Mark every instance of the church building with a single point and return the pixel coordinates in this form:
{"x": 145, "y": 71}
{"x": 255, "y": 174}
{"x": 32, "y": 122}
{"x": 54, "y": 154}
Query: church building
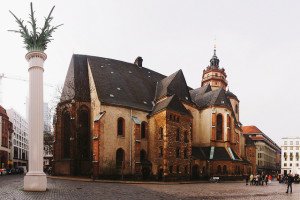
{"x": 118, "y": 118}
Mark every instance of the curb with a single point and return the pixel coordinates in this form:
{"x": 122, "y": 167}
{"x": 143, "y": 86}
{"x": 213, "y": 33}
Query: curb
{"x": 134, "y": 182}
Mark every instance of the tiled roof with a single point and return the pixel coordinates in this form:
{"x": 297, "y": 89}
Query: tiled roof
{"x": 212, "y": 98}
{"x": 250, "y": 129}
{"x": 171, "y": 103}
{"x": 173, "y": 84}
{"x": 200, "y": 91}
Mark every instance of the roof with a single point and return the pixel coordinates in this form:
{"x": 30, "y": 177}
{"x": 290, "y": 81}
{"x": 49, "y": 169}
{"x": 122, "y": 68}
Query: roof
{"x": 173, "y": 84}
{"x": 171, "y": 103}
{"x": 250, "y": 129}
{"x": 231, "y": 95}
{"x": 116, "y": 82}
{"x": 212, "y": 153}
{"x": 200, "y": 91}
{"x": 212, "y": 98}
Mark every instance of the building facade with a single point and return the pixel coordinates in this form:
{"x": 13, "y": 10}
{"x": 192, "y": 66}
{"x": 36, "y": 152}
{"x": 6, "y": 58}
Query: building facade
{"x": 116, "y": 117}
{"x": 5, "y": 139}
{"x": 19, "y": 150}
{"x": 267, "y": 151}
{"x": 290, "y": 162}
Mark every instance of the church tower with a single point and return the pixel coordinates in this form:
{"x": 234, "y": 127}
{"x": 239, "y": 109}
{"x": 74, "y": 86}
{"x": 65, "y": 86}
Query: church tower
{"x": 214, "y": 75}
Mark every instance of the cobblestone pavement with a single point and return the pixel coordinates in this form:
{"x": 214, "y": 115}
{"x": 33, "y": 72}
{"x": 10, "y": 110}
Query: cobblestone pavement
{"x": 11, "y": 188}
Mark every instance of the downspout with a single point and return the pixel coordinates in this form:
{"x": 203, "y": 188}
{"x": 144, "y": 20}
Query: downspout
{"x": 130, "y": 147}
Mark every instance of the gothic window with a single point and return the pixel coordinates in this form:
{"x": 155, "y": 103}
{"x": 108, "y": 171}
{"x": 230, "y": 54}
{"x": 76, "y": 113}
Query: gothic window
{"x": 186, "y": 140}
{"x": 66, "y": 134}
{"x": 219, "y": 169}
{"x": 143, "y": 155}
{"x": 236, "y": 108}
{"x": 83, "y": 134}
{"x": 224, "y": 169}
{"x": 219, "y": 127}
{"x": 185, "y": 153}
{"x": 229, "y": 128}
{"x": 186, "y": 169}
{"x": 143, "y": 130}
{"x": 178, "y": 134}
{"x": 161, "y": 133}
{"x": 121, "y": 127}
{"x": 161, "y": 152}
{"x": 177, "y": 152}
{"x": 120, "y": 158}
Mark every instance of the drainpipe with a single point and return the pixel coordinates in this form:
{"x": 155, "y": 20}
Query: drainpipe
{"x": 130, "y": 147}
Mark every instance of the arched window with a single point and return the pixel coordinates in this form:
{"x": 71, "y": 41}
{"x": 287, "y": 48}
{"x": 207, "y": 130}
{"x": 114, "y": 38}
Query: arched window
{"x": 224, "y": 169}
{"x": 120, "y": 158}
{"x": 143, "y": 155}
{"x": 83, "y": 134}
{"x": 66, "y": 134}
{"x": 186, "y": 140}
{"x": 237, "y": 109}
{"x": 161, "y": 152}
{"x": 143, "y": 130}
{"x": 178, "y": 134}
{"x": 219, "y": 127}
{"x": 161, "y": 133}
{"x": 228, "y": 128}
{"x": 219, "y": 169}
{"x": 121, "y": 126}
{"x": 185, "y": 153}
{"x": 177, "y": 152}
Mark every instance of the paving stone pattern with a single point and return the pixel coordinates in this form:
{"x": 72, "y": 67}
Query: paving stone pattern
{"x": 11, "y": 188}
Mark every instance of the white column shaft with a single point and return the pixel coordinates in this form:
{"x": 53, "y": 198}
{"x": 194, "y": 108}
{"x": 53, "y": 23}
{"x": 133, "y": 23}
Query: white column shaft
{"x": 36, "y": 119}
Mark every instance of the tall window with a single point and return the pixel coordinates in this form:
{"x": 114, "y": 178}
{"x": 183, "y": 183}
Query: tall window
{"x": 143, "y": 155}
{"x": 219, "y": 127}
{"x": 120, "y": 158}
{"x": 121, "y": 127}
{"x": 185, "y": 153}
{"x": 186, "y": 140}
{"x": 219, "y": 169}
{"x": 161, "y": 133}
{"x": 177, "y": 134}
{"x": 224, "y": 169}
{"x": 177, "y": 152}
{"x": 83, "y": 134}
{"x": 237, "y": 109}
{"x": 66, "y": 134}
{"x": 143, "y": 130}
{"x": 160, "y": 152}
{"x": 228, "y": 128}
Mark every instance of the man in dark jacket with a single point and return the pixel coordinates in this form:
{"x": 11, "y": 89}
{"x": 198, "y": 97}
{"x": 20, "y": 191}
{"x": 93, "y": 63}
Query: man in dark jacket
{"x": 290, "y": 180}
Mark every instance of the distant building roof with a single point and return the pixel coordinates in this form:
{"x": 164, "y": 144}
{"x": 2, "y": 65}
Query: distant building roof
{"x": 250, "y": 129}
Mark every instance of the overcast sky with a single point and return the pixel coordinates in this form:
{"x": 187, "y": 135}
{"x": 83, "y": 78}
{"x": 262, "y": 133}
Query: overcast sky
{"x": 258, "y": 44}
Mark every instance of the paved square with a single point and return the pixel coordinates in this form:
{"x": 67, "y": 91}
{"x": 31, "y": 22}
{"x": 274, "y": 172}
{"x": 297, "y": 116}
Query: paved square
{"x": 11, "y": 188}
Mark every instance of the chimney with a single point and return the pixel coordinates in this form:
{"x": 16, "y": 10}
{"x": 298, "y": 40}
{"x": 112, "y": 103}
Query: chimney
{"x": 139, "y": 61}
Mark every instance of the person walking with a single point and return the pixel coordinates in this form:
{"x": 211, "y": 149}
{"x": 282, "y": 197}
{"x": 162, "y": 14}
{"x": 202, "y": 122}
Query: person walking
{"x": 266, "y": 179}
{"x": 247, "y": 178}
{"x": 251, "y": 179}
{"x": 290, "y": 180}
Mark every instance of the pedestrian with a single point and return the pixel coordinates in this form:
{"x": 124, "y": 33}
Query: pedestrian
{"x": 247, "y": 179}
{"x": 266, "y": 179}
{"x": 290, "y": 180}
{"x": 251, "y": 179}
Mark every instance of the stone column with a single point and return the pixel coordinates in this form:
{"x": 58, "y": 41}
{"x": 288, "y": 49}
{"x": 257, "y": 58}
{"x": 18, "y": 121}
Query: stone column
{"x": 35, "y": 179}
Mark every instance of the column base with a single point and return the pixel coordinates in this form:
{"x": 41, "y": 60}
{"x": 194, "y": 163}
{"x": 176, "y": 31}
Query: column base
{"x": 35, "y": 182}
